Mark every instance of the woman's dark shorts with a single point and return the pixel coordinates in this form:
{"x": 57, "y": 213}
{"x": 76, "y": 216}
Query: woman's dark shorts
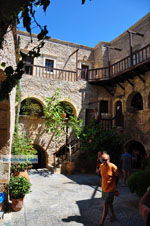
{"x": 108, "y": 197}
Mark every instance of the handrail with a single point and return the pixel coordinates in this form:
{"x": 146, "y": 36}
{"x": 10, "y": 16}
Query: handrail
{"x": 95, "y": 74}
{"x": 48, "y": 72}
{"x": 120, "y": 66}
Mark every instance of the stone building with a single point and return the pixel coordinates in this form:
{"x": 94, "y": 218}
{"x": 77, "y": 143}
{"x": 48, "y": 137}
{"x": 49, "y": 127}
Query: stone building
{"x": 110, "y": 82}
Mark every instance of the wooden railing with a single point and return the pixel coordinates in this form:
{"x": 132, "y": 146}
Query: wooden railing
{"x": 61, "y": 156}
{"x": 50, "y": 73}
{"x": 121, "y": 66}
{"x": 129, "y": 62}
{"x": 106, "y": 124}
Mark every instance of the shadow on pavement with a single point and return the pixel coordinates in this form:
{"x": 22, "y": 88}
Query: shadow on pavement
{"x": 88, "y": 209}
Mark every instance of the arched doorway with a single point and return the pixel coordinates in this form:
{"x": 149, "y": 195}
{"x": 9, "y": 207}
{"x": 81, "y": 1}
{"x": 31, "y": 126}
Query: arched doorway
{"x": 119, "y": 118}
{"x": 137, "y": 150}
{"x": 41, "y": 157}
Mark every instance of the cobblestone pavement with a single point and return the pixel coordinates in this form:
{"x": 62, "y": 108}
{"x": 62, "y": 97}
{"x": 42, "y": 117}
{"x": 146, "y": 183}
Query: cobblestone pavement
{"x": 59, "y": 200}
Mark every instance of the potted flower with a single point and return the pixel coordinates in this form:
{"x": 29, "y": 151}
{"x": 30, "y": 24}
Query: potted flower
{"x": 18, "y": 187}
{"x": 20, "y": 169}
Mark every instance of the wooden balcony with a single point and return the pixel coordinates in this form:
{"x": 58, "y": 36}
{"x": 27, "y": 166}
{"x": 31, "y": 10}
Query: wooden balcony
{"x": 138, "y": 62}
{"x": 50, "y": 73}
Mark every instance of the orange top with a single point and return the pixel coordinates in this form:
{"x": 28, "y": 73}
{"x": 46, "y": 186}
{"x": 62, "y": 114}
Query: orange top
{"x": 109, "y": 172}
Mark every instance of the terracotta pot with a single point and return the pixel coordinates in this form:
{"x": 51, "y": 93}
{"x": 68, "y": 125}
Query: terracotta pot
{"x": 70, "y": 167}
{"x": 64, "y": 115}
{"x": 17, "y": 204}
{"x": 23, "y": 174}
{"x": 1, "y": 206}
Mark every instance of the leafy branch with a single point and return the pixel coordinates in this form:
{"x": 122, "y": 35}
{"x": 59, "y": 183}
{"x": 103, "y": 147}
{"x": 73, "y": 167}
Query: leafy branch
{"x": 54, "y": 119}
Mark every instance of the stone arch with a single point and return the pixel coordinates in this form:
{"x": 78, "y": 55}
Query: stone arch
{"x": 136, "y": 148}
{"x": 119, "y": 118}
{"x": 71, "y": 105}
{"x": 134, "y": 102}
{"x": 36, "y": 109}
{"x": 42, "y": 157}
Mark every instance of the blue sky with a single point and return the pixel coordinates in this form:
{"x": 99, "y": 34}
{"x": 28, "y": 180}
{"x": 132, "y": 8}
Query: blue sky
{"x": 95, "y": 21}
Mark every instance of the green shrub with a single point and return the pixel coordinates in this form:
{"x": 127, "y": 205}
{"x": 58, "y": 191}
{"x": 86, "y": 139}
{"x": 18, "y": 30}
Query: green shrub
{"x": 94, "y": 139}
{"x": 146, "y": 163}
{"x": 22, "y": 145}
{"x": 139, "y": 181}
{"x": 18, "y": 187}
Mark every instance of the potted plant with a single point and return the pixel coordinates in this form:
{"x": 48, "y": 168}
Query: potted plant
{"x": 20, "y": 169}
{"x": 18, "y": 187}
{"x": 22, "y": 146}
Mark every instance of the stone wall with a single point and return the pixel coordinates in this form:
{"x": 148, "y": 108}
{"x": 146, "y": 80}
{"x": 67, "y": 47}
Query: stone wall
{"x": 7, "y": 109}
{"x": 137, "y": 124}
{"x": 57, "y": 50}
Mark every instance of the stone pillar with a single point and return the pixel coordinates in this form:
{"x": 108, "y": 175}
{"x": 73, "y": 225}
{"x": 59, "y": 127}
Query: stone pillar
{"x": 4, "y": 143}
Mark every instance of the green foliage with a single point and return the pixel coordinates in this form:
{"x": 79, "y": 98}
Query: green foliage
{"x": 97, "y": 139}
{"x": 53, "y": 114}
{"x": 19, "y": 167}
{"x": 139, "y": 181}
{"x": 146, "y": 163}
{"x": 54, "y": 120}
{"x": 31, "y": 107}
{"x": 67, "y": 108}
{"x": 18, "y": 187}
{"x": 94, "y": 139}
{"x": 76, "y": 125}
{"x": 22, "y": 145}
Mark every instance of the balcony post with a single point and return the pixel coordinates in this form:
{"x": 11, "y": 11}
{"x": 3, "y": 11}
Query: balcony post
{"x": 130, "y": 46}
{"x": 77, "y": 64}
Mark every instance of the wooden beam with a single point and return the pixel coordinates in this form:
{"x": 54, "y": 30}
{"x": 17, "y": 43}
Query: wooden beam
{"x": 108, "y": 91}
{"x": 141, "y": 78}
{"x": 122, "y": 87}
{"x": 130, "y": 82}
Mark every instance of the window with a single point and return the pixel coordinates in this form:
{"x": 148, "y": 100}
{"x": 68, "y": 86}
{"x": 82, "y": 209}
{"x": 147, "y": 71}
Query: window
{"x": 103, "y": 106}
{"x": 84, "y": 71}
{"x": 49, "y": 64}
{"x": 28, "y": 65}
{"x": 137, "y": 102}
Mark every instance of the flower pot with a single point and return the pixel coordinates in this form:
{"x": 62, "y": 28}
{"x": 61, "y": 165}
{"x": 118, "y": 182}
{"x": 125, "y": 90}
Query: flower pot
{"x": 23, "y": 174}
{"x": 70, "y": 167}
{"x": 17, "y": 204}
{"x": 64, "y": 115}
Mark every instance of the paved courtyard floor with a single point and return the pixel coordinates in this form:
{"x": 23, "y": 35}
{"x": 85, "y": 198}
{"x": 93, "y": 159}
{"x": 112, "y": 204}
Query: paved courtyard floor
{"x": 59, "y": 200}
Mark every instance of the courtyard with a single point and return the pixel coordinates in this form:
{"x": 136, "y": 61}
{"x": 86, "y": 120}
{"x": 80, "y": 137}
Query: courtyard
{"x": 58, "y": 200}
